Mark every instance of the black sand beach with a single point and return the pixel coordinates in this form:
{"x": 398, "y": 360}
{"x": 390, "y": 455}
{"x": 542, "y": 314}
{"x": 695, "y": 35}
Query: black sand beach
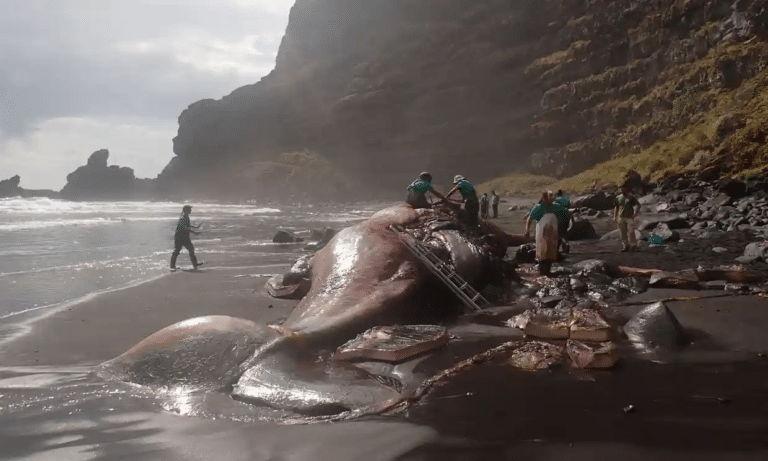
{"x": 707, "y": 401}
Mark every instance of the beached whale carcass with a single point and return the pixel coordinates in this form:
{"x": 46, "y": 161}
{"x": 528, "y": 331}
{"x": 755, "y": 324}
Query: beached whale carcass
{"x": 365, "y": 277}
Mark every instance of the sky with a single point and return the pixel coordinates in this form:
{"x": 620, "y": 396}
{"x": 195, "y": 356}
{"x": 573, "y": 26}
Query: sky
{"x": 77, "y": 76}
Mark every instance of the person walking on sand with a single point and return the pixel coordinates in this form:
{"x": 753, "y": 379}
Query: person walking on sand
{"x": 625, "y": 210}
{"x": 469, "y": 196}
{"x": 182, "y": 238}
{"x": 417, "y": 191}
{"x": 484, "y": 206}
{"x": 495, "y": 204}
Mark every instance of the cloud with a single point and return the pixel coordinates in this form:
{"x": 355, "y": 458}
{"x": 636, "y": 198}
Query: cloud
{"x": 97, "y": 60}
{"x": 56, "y": 147}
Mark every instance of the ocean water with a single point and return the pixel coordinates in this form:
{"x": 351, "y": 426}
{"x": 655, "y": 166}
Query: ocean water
{"x": 55, "y": 252}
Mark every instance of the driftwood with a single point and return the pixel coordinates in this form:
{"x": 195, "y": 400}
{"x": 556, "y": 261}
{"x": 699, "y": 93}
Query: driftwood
{"x": 679, "y": 298}
{"x": 705, "y": 275}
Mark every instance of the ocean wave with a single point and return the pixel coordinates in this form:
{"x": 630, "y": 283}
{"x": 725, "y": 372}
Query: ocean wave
{"x": 40, "y": 224}
{"x": 43, "y": 205}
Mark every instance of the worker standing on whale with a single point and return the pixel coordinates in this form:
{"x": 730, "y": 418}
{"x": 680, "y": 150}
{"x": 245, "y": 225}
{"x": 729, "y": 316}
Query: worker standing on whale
{"x": 417, "y": 191}
{"x": 469, "y": 196}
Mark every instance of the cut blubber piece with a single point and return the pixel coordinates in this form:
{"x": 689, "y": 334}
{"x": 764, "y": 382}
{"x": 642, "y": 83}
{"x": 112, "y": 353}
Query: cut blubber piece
{"x": 393, "y": 343}
{"x": 536, "y": 355}
{"x": 543, "y": 323}
{"x": 583, "y": 355}
{"x": 589, "y": 325}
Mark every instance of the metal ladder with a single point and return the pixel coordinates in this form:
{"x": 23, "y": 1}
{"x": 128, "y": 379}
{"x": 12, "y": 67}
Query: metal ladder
{"x": 444, "y": 271}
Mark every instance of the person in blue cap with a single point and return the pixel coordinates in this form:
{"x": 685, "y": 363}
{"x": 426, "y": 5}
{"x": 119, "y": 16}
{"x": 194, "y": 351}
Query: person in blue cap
{"x": 417, "y": 191}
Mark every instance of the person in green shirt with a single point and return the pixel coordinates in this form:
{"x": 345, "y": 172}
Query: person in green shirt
{"x": 547, "y": 204}
{"x": 546, "y": 254}
{"x": 418, "y": 189}
{"x": 182, "y": 238}
{"x": 625, "y": 209}
{"x": 469, "y": 196}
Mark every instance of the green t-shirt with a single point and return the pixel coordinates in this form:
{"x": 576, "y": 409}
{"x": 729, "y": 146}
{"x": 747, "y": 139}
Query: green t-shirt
{"x": 626, "y": 205}
{"x": 541, "y": 209}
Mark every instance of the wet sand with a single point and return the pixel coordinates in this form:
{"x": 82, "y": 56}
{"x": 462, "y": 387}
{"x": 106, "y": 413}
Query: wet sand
{"x": 708, "y": 401}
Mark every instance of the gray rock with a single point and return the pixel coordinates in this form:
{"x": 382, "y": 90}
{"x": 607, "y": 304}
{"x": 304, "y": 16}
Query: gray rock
{"x": 753, "y": 252}
{"x": 734, "y": 189}
{"x": 655, "y": 326}
{"x": 284, "y": 236}
{"x": 595, "y": 201}
{"x": 582, "y": 230}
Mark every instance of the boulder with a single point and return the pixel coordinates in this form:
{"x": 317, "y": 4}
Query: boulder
{"x": 715, "y": 202}
{"x": 655, "y": 326}
{"x": 672, "y": 223}
{"x": 284, "y": 236}
{"x": 323, "y": 237}
{"x": 595, "y": 201}
{"x": 734, "y": 189}
{"x": 582, "y": 229}
{"x": 755, "y": 251}
{"x": 709, "y": 174}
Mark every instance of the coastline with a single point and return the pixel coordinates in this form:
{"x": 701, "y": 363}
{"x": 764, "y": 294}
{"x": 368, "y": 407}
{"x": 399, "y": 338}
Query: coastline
{"x": 107, "y": 324}
{"x": 489, "y": 412}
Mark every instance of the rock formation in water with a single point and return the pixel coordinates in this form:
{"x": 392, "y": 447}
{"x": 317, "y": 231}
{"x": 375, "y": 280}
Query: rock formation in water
{"x": 382, "y": 89}
{"x": 98, "y": 181}
{"x": 10, "y": 188}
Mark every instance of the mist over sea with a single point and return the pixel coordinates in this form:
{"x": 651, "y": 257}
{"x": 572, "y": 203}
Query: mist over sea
{"x": 54, "y": 252}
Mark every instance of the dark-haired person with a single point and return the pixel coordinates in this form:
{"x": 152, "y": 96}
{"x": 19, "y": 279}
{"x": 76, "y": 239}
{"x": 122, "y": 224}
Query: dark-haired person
{"x": 469, "y": 196}
{"x": 182, "y": 238}
{"x": 417, "y": 191}
{"x": 495, "y": 199}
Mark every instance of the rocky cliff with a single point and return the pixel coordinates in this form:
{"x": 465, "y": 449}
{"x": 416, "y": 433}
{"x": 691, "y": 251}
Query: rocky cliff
{"x": 376, "y": 91}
